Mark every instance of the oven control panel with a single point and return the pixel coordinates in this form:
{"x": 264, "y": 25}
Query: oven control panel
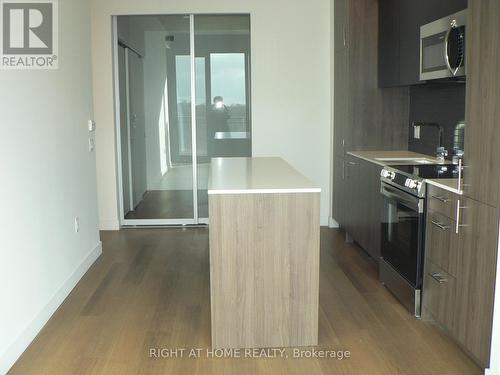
{"x": 410, "y": 183}
{"x": 413, "y": 184}
{"x": 388, "y": 174}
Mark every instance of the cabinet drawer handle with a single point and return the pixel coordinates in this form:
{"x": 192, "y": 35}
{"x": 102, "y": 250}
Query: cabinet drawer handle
{"x": 436, "y": 276}
{"x": 440, "y": 225}
{"x": 457, "y": 223}
{"x": 441, "y": 199}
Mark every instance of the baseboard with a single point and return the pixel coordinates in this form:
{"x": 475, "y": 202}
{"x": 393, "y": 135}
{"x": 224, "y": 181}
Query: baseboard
{"x": 109, "y": 225}
{"x": 332, "y": 223}
{"x": 19, "y": 345}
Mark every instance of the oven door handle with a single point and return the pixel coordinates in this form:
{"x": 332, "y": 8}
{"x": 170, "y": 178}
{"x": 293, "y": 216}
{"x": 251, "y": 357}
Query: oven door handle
{"x": 400, "y": 196}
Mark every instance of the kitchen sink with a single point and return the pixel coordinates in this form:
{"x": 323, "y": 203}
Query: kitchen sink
{"x": 408, "y": 160}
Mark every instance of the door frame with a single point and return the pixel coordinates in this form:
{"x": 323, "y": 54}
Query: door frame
{"x": 127, "y": 126}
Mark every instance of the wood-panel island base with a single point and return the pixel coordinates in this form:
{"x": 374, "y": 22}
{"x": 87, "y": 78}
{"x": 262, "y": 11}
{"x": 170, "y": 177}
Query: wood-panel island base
{"x": 264, "y": 266}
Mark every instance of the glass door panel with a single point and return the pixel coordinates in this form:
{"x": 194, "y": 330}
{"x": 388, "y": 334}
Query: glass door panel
{"x": 163, "y": 64}
{"x": 222, "y": 42}
{"x": 159, "y": 113}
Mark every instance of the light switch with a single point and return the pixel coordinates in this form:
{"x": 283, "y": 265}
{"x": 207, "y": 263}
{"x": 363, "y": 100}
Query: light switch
{"x": 91, "y": 144}
{"x": 91, "y": 125}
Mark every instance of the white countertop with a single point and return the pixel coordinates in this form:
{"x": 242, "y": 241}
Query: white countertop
{"x": 256, "y": 175}
{"x": 372, "y": 157}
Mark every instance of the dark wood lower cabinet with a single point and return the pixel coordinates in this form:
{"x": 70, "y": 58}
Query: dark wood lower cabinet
{"x": 352, "y": 215}
{"x": 478, "y": 247}
{"x": 442, "y": 241}
{"x": 460, "y": 273}
{"x": 370, "y": 208}
{"x": 440, "y": 295}
{"x": 357, "y": 201}
{"x": 338, "y": 202}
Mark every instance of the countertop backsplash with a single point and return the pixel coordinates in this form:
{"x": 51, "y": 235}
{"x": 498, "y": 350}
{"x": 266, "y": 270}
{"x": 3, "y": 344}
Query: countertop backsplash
{"x": 443, "y": 103}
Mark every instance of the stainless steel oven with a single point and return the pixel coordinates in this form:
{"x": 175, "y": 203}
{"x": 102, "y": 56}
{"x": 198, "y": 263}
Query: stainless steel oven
{"x": 402, "y": 233}
{"x": 442, "y": 47}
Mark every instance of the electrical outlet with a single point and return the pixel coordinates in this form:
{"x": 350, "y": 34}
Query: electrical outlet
{"x": 91, "y": 125}
{"x": 91, "y": 144}
{"x": 77, "y": 224}
{"x": 416, "y": 132}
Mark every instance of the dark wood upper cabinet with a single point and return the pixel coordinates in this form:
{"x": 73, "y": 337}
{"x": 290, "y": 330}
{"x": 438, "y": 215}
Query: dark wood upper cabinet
{"x": 482, "y": 133}
{"x": 389, "y": 35}
{"x": 413, "y": 15}
{"x": 399, "y": 39}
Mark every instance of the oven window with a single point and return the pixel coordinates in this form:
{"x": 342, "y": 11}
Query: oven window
{"x": 400, "y": 238}
{"x": 433, "y": 56}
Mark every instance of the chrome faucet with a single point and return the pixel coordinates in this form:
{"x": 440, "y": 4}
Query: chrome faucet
{"x": 441, "y": 152}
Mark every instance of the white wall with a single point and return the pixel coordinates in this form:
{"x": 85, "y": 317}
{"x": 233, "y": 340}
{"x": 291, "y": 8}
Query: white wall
{"x": 47, "y": 178}
{"x": 290, "y": 85}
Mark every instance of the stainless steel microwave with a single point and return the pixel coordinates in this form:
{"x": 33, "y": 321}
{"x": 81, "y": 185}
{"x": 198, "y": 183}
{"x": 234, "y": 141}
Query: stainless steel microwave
{"x": 442, "y": 47}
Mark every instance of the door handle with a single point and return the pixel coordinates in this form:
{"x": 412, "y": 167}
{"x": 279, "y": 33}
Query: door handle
{"x": 460, "y": 174}
{"x": 441, "y": 199}
{"x": 440, "y": 225}
{"x": 457, "y": 222}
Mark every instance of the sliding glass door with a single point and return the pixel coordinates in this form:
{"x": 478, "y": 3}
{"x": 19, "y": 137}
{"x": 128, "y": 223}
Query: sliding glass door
{"x": 182, "y": 97}
{"x": 222, "y": 49}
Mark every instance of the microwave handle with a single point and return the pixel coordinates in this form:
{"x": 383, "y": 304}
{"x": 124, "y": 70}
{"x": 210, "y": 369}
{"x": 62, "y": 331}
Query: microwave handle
{"x": 446, "y": 42}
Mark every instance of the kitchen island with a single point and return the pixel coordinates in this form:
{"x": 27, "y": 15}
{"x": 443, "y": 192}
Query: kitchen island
{"x": 264, "y": 254}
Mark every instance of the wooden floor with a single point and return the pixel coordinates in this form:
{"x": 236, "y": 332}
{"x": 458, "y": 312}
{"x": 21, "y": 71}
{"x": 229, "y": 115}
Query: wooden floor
{"x": 169, "y": 204}
{"x": 150, "y": 288}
